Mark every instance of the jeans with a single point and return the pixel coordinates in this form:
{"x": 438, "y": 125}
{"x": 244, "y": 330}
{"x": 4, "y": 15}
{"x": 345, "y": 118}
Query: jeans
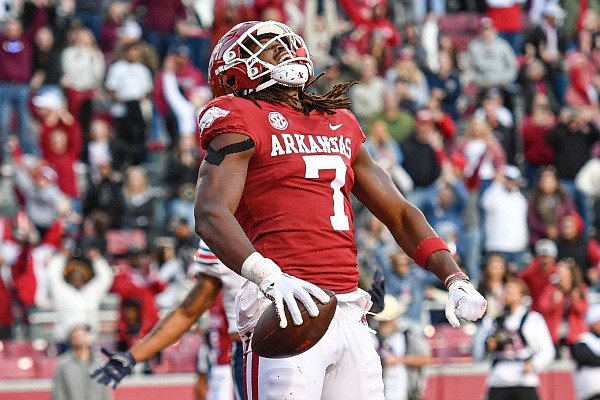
{"x": 91, "y": 20}
{"x": 199, "y": 52}
{"x": 515, "y": 39}
{"x": 421, "y": 8}
{"x": 162, "y": 41}
{"x": 582, "y": 203}
{"x": 14, "y": 96}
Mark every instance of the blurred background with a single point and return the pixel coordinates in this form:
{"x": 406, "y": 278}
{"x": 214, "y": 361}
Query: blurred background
{"x": 484, "y": 112}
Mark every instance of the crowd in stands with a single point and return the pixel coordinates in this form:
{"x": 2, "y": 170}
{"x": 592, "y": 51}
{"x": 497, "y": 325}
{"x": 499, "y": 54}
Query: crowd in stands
{"x": 484, "y": 113}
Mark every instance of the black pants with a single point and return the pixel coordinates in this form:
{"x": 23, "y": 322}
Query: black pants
{"x": 513, "y": 393}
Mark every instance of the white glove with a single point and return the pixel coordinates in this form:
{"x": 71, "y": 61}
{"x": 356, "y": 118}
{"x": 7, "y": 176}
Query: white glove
{"x": 280, "y": 288}
{"x": 464, "y": 302}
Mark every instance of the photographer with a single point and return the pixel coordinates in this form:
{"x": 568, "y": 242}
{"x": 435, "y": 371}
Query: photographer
{"x": 520, "y": 347}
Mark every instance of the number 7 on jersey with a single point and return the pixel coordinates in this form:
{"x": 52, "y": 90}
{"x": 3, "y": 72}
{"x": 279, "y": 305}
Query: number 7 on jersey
{"x": 339, "y": 219}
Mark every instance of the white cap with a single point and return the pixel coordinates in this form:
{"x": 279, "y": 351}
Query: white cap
{"x": 511, "y": 172}
{"x": 50, "y": 100}
{"x": 546, "y": 247}
{"x": 552, "y": 9}
{"x": 130, "y": 29}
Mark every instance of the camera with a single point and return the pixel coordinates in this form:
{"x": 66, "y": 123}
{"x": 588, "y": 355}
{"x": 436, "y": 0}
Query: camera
{"x": 500, "y": 335}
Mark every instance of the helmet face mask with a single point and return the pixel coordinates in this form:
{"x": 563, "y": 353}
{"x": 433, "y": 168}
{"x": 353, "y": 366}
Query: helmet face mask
{"x": 236, "y": 67}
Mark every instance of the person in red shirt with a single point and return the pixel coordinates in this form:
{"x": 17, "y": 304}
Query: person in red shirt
{"x": 563, "y": 305}
{"x": 60, "y": 140}
{"x": 538, "y": 273}
{"x": 137, "y": 284}
{"x": 280, "y": 166}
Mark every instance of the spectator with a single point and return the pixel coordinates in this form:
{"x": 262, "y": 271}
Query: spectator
{"x": 43, "y": 201}
{"x": 423, "y": 154}
{"x": 401, "y": 349}
{"x": 71, "y": 380}
{"x": 508, "y": 19}
{"x": 582, "y": 68}
{"x": 483, "y": 154}
{"x": 139, "y": 201}
{"x": 409, "y": 79}
{"x": 445, "y": 204}
{"x": 181, "y": 178}
{"x": 520, "y": 345}
{"x": 78, "y": 284}
{"x": 387, "y": 153}
{"x": 549, "y": 203}
{"x": 98, "y": 148}
{"x": 534, "y": 130}
{"x": 500, "y": 120}
{"x": 505, "y": 218}
{"x": 188, "y": 79}
{"x": 16, "y": 64}
{"x": 60, "y": 141}
{"x": 367, "y": 98}
{"x": 17, "y": 279}
{"x": 586, "y": 353}
{"x": 495, "y": 275}
{"x": 550, "y": 44}
{"x": 105, "y": 194}
{"x": 131, "y": 32}
{"x": 89, "y": 13}
{"x": 137, "y": 283}
{"x": 128, "y": 82}
{"x": 563, "y": 305}
{"x": 576, "y": 244}
{"x": 83, "y": 66}
{"x": 492, "y": 59}
{"x": 159, "y": 21}
{"x": 400, "y": 123}
{"x": 47, "y": 71}
{"x": 377, "y": 245}
{"x": 538, "y": 273}
{"x": 171, "y": 271}
{"x": 320, "y": 30}
{"x": 112, "y": 20}
{"x": 407, "y": 283}
{"x": 445, "y": 85}
{"x": 535, "y": 83}
{"x": 572, "y": 141}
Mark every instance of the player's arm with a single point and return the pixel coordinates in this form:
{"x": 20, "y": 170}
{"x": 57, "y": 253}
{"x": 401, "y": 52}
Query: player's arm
{"x": 218, "y": 193}
{"x": 374, "y": 188}
{"x": 170, "y": 328}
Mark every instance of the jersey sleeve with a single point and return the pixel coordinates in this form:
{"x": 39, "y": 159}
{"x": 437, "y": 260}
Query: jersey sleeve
{"x": 221, "y": 115}
{"x": 208, "y": 264}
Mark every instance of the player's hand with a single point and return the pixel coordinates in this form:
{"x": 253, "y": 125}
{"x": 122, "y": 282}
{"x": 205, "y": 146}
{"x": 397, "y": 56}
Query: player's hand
{"x": 377, "y": 292}
{"x": 118, "y": 366}
{"x": 464, "y": 302}
{"x": 282, "y": 289}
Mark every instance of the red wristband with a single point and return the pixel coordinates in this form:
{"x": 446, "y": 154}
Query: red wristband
{"x": 454, "y": 275}
{"x": 426, "y": 248}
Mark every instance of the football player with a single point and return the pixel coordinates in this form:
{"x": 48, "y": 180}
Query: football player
{"x": 276, "y": 182}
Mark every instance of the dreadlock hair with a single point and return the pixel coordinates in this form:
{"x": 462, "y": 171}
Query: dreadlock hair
{"x": 327, "y": 103}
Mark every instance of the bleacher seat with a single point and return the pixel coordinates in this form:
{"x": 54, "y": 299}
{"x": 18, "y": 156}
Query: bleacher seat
{"x": 45, "y": 366}
{"x": 451, "y": 345}
{"x": 17, "y": 368}
{"x": 22, "y": 348}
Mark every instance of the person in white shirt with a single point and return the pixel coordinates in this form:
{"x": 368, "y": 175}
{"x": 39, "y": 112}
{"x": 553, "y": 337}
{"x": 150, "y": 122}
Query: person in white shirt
{"x": 505, "y": 217}
{"x": 586, "y": 353}
{"x": 128, "y": 83}
{"x": 77, "y": 289}
{"x": 520, "y": 347}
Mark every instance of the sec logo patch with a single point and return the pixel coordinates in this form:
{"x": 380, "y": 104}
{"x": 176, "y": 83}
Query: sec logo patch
{"x": 278, "y": 121}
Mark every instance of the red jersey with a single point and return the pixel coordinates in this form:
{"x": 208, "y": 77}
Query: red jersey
{"x": 218, "y": 333}
{"x": 295, "y": 207}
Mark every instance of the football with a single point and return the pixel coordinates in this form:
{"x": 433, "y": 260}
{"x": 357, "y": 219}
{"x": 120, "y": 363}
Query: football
{"x": 271, "y": 341}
